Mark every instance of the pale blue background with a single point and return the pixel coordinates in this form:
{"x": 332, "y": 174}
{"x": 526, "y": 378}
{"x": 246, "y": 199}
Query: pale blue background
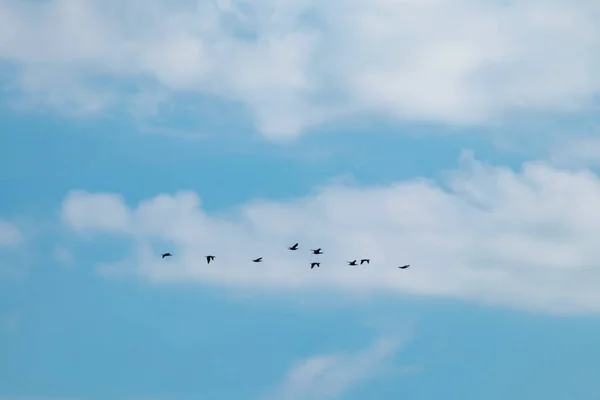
{"x": 83, "y": 336}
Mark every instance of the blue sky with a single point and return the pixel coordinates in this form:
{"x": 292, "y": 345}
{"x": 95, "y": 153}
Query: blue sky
{"x": 132, "y": 130}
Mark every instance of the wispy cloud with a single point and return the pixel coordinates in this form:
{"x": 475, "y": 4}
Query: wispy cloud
{"x": 577, "y": 150}
{"x": 12, "y": 251}
{"x": 296, "y": 64}
{"x": 10, "y": 235}
{"x": 63, "y": 255}
{"x": 328, "y": 376}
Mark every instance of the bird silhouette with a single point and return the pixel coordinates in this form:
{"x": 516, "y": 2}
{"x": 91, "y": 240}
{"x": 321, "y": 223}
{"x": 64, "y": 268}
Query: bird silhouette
{"x": 364, "y": 260}
{"x": 294, "y": 247}
{"x": 166, "y": 255}
{"x": 259, "y": 259}
{"x": 404, "y": 266}
{"x": 351, "y": 262}
{"x": 209, "y": 259}
{"x": 317, "y": 251}
{"x": 315, "y": 264}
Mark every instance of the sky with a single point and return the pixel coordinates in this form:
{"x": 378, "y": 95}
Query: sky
{"x": 461, "y": 137}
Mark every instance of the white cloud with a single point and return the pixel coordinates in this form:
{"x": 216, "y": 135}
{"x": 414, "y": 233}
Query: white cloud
{"x": 101, "y": 212}
{"x": 526, "y": 239}
{"x": 328, "y": 376}
{"x": 298, "y": 63}
{"x": 10, "y": 235}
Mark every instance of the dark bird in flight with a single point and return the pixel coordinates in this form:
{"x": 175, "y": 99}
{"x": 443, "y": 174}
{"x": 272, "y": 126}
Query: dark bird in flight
{"x": 315, "y": 264}
{"x": 209, "y": 259}
{"x": 294, "y": 247}
{"x": 317, "y": 251}
{"x": 351, "y": 262}
{"x": 166, "y": 255}
{"x": 404, "y": 266}
{"x": 364, "y": 260}
{"x": 259, "y": 259}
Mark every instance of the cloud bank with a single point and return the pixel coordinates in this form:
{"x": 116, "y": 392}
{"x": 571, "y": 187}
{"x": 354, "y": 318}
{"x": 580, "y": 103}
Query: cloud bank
{"x": 526, "y": 239}
{"x": 295, "y": 64}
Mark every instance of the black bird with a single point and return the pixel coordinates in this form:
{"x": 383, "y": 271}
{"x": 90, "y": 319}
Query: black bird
{"x": 294, "y": 247}
{"x": 259, "y": 259}
{"x": 209, "y": 259}
{"x": 351, "y": 262}
{"x": 364, "y": 260}
{"x": 315, "y": 264}
{"x": 317, "y": 251}
{"x": 166, "y": 255}
{"x": 404, "y": 266}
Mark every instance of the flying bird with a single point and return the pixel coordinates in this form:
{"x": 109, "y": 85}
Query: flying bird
{"x": 294, "y": 247}
{"x": 317, "y": 251}
{"x": 315, "y": 264}
{"x": 364, "y": 260}
{"x": 209, "y": 259}
{"x": 404, "y": 266}
{"x": 166, "y": 255}
{"x": 351, "y": 262}
{"x": 259, "y": 259}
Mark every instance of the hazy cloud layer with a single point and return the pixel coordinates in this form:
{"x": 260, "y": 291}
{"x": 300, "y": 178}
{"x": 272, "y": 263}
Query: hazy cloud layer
{"x": 298, "y": 63}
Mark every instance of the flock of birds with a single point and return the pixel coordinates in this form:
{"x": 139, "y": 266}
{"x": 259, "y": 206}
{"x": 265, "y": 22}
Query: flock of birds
{"x": 294, "y": 248}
